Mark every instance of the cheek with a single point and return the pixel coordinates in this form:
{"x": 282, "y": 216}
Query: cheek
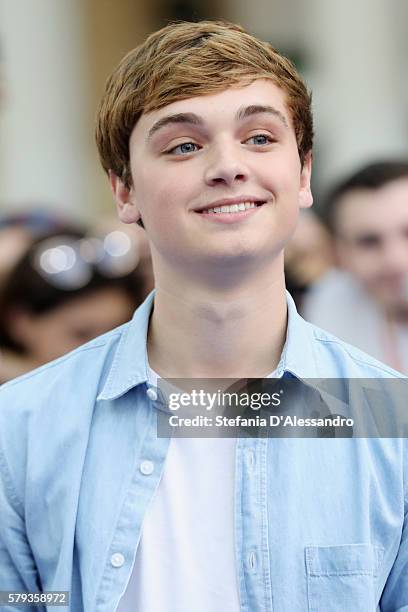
{"x": 278, "y": 173}
{"x": 56, "y": 336}
{"x": 283, "y": 180}
{"x": 160, "y": 196}
{"x": 364, "y": 265}
{"x": 51, "y": 341}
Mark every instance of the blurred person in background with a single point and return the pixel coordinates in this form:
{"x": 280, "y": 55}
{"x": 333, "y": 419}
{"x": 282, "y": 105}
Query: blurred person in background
{"x": 18, "y": 230}
{"x": 13, "y": 242}
{"x": 66, "y": 289}
{"x": 308, "y": 256}
{"x": 365, "y": 301}
{"x": 139, "y": 240}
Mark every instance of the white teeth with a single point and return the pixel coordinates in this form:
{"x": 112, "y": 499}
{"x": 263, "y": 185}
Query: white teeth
{"x": 231, "y": 209}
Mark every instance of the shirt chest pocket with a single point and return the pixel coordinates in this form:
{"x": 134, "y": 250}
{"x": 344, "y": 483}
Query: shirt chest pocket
{"x": 342, "y": 578}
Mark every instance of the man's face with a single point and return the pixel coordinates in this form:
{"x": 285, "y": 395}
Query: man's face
{"x": 234, "y": 147}
{"x": 373, "y": 240}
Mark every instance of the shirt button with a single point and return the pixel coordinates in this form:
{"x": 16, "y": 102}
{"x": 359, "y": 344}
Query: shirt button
{"x": 146, "y": 467}
{"x": 151, "y": 394}
{"x": 117, "y": 560}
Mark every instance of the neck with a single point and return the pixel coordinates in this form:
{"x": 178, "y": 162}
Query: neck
{"x": 217, "y": 331}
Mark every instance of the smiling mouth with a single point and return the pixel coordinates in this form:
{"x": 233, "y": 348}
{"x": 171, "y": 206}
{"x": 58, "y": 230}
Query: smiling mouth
{"x": 232, "y": 208}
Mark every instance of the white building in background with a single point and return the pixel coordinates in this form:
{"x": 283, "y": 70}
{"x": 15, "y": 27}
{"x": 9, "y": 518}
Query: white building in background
{"x": 359, "y": 77}
{"x": 45, "y": 108}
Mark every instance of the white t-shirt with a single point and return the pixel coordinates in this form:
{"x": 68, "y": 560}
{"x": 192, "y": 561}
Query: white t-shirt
{"x": 186, "y": 556}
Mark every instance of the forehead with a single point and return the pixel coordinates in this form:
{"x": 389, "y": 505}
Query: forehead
{"x": 222, "y": 106}
{"x": 379, "y": 211}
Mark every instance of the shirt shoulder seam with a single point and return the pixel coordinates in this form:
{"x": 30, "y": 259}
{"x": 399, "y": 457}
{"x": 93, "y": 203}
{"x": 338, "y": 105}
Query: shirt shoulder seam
{"x": 55, "y": 363}
{"x": 356, "y": 359}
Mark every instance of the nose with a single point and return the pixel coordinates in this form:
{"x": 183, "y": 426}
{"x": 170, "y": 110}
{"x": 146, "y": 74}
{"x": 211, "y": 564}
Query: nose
{"x": 226, "y": 167}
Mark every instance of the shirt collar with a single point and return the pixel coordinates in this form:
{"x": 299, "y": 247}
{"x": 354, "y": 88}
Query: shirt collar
{"x": 298, "y": 356}
{"x": 130, "y": 366}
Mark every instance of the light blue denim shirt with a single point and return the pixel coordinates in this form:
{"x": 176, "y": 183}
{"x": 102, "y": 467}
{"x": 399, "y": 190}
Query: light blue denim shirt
{"x": 320, "y": 524}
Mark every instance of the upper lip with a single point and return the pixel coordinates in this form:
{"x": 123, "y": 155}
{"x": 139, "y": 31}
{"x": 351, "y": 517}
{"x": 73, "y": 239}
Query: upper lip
{"x": 230, "y": 201}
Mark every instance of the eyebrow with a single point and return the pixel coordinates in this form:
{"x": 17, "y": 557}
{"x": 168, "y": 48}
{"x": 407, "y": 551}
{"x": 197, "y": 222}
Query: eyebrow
{"x": 257, "y": 109}
{"x": 193, "y": 119}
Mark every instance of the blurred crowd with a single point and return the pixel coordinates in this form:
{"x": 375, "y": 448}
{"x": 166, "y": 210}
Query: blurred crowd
{"x": 347, "y": 268}
{"x": 362, "y": 296}
{"x": 62, "y": 284}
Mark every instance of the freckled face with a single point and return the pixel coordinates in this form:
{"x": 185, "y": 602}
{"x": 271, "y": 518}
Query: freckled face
{"x": 192, "y": 154}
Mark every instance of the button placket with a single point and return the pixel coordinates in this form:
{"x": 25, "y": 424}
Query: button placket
{"x": 126, "y": 537}
{"x": 251, "y": 461}
{"x": 147, "y": 467}
{"x": 152, "y": 394}
{"x": 254, "y": 552}
{"x": 252, "y": 560}
{"x": 117, "y": 560}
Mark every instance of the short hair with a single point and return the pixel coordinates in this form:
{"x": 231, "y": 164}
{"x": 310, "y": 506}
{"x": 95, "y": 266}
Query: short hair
{"x": 186, "y": 59}
{"x": 372, "y": 176}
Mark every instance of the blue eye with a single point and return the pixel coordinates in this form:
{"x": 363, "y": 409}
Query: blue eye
{"x": 261, "y": 139}
{"x": 183, "y": 148}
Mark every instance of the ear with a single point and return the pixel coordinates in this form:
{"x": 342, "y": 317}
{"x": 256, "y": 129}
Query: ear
{"x": 305, "y": 192}
{"x": 124, "y": 197}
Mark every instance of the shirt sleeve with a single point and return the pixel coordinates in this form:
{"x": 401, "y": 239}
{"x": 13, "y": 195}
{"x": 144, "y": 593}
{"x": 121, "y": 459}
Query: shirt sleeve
{"x": 18, "y": 572}
{"x": 395, "y": 594}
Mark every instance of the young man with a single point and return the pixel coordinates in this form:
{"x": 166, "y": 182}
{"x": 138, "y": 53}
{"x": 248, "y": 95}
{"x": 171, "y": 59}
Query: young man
{"x": 206, "y": 134}
{"x": 367, "y": 214}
